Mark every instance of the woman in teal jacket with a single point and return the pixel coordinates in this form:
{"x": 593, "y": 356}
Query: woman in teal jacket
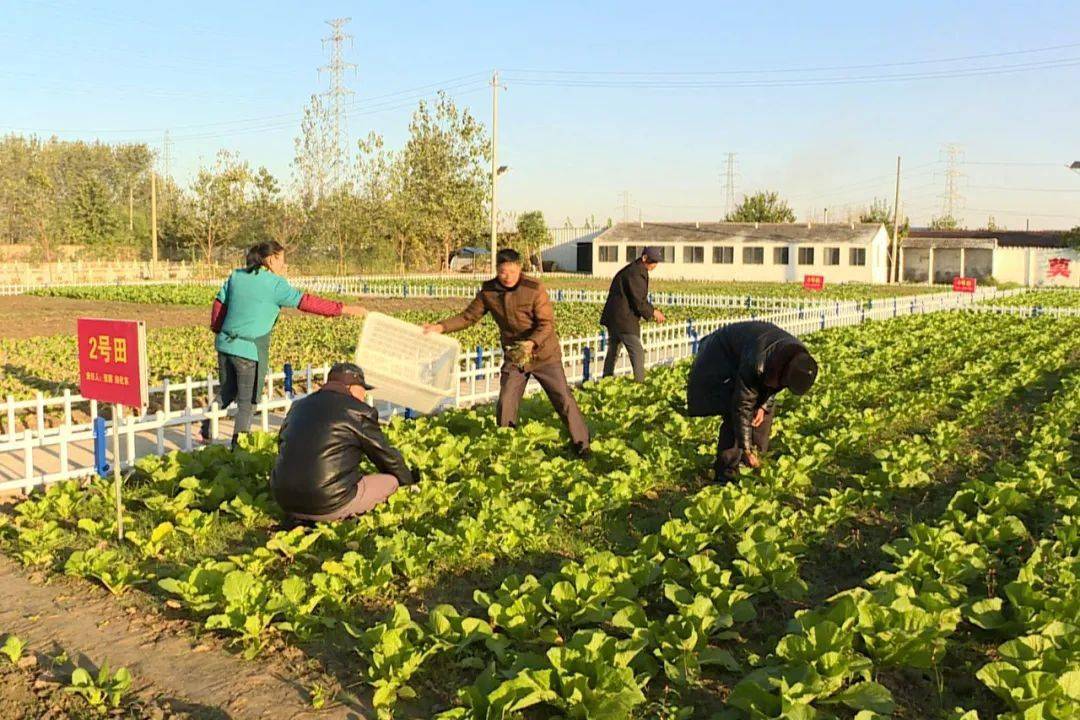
{"x": 245, "y": 311}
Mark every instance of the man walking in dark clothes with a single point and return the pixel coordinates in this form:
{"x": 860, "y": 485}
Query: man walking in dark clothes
{"x": 627, "y": 305}
{"x": 522, "y": 309}
{"x": 737, "y": 373}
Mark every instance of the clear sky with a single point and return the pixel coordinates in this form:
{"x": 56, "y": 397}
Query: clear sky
{"x": 649, "y": 98}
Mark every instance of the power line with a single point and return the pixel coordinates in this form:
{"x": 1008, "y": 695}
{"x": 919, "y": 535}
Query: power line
{"x": 960, "y": 58}
{"x": 661, "y": 83}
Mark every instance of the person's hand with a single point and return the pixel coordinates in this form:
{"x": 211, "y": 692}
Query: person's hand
{"x": 433, "y": 328}
{"x": 759, "y": 417}
{"x": 658, "y": 315}
{"x": 752, "y": 459}
{"x": 354, "y": 310}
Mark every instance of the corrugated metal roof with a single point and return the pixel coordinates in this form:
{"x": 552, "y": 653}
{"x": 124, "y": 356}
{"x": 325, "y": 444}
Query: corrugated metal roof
{"x": 1005, "y": 238}
{"x": 652, "y": 233}
{"x": 949, "y": 243}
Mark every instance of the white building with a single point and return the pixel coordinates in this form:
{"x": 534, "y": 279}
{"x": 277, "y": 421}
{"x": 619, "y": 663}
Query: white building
{"x": 775, "y": 252}
{"x": 1028, "y": 258}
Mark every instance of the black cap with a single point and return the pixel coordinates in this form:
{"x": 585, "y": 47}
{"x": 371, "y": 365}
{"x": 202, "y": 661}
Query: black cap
{"x": 348, "y": 373}
{"x": 800, "y": 373}
{"x": 652, "y": 254}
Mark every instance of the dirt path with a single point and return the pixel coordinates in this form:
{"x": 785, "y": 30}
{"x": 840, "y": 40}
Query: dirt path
{"x": 24, "y": 316}
{"x": 197, "y": 679}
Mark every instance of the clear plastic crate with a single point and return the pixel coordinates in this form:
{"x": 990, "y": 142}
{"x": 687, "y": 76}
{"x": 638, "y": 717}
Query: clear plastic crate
{"x": 406, "y": 366}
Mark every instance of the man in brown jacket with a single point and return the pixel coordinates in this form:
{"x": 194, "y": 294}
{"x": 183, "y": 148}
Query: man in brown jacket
{"x": 522, "y": 309}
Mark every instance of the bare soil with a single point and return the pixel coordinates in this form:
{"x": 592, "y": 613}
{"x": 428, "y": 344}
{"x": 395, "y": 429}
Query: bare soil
{"x": 186, "y": 677}
{"x": 25, "y": 316}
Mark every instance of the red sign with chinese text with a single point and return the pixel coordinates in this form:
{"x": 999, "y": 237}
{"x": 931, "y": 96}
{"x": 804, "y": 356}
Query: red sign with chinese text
{"x": 1059, "y": 267}
{"x": 813, "y": 282}
{"x": 963, "y": 284}
{"x": 112, "y": 361}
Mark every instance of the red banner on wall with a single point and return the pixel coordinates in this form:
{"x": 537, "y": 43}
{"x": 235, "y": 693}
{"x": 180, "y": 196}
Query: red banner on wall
{"x": 112, "y": 361}
{"x": 813, "y": 282}
{"x": 963, "y": 284}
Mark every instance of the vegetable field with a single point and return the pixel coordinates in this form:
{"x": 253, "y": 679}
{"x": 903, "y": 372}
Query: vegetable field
{"x": 1050, "y": 298}
{"x": 909, "y": 549}
{"x": 203, "y": 294}
{"x": 50, "y": 363}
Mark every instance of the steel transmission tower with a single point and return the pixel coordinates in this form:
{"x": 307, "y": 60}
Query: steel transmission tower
{"x": 337, "y": 94}
{"x": 624, "y": 203}
{"x": 729, "y": 183}
{"x": 952, "y": 198}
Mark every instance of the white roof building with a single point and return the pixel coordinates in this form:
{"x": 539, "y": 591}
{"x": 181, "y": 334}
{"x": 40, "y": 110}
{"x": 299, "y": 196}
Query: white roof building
{"x": 775, "y": 252}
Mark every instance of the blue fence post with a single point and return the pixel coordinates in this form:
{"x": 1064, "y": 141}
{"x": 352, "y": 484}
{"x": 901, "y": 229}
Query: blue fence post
{"x": 101, "y": 459}
{"x": 586, "y": 361}
{"x": 288, "y": 381}
{"x": 404, "y": 290}
{"x": 364, "y": 288}
{"x": 689, "y": 326}
{"x": 559, "y": 295}
{"x": 800, "y": 311}
{"x": 749, "y": 301}
{"x": 431, "y": 290}
{"x": 693, "y": 342}
{"x": 823, "y": 313}
{"x": 603, "y": 339}
{"x": 895, "y": 309}
{"x": 479, "y": 356}
{"x": 409, "y": 414}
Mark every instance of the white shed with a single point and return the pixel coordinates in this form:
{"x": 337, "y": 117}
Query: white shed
{"x": 772, "y": 252}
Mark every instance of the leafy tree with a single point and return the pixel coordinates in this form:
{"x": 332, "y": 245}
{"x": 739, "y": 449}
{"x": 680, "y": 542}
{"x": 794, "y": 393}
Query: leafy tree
{"x": 764, "y": 206}
{"x": 445, "y": 182}
{"x": 1072, "y": 238}
{"x": 533, "y": 233}
{"x": 219, "y": 197}
{"x": 881, "y": 212}
{"x": 944, "y": 222}
{"x": 94, "y": 217}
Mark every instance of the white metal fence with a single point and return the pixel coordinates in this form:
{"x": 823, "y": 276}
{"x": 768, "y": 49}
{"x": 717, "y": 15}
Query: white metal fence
{"x": 178, "y": 406}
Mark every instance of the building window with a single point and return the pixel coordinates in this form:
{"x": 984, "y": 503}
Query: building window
{"x": 693, "y": 254}
{"x": 781, "y": 256}
{"x": 753, "y": 256}
{"x": 857, "y": 256}
{"x": 806, "y": 256}
{"x": 667, "y": 252}
{"x": 609, "y": 253}
{"x": 633, "y": 252}
{"x": 724, "y": 255}
{"x": 832, "y": 256}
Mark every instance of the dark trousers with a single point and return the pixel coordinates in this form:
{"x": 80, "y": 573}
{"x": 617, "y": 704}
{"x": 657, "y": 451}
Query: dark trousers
{"x": 634, "y": 349}
{"x": 729, "y": 450}
{"x": 237, "y": 376}
{"x": 552, "y": 379}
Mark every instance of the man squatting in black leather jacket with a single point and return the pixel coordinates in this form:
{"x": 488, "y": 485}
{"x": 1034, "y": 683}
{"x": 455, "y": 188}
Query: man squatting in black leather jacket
{"x": 737, "y": 373}
{"x": 321, "y": 444}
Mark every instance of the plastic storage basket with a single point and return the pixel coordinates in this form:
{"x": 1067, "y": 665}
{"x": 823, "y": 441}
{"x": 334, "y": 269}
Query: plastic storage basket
{"x": 405, "y": 366}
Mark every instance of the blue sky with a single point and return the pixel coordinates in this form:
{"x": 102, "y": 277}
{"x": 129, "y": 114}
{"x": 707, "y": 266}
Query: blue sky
{"x": 237, "y": 74}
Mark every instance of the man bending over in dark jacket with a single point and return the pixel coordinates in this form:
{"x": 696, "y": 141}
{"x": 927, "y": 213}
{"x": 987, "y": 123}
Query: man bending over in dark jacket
{"x": 737, "y": 373}
{"x": 321, "y": 444}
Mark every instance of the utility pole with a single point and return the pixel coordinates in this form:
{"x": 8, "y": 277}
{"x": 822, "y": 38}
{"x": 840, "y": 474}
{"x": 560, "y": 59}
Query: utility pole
{"x": 494, "y": 167}
{"x": 338, "y": 92}
{"x": 894, "y": 271}
{"x": 153, "y": 222}
{"x": 729, "y": 183}
{"x": 131, "y": 207}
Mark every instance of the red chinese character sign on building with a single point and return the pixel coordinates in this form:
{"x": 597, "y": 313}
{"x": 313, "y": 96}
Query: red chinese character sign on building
{"x": 963, "y": 284}
{"x": 112, "y": 361}
{"x": 813, "y": 282}
{"x": 1059, "y": 267}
